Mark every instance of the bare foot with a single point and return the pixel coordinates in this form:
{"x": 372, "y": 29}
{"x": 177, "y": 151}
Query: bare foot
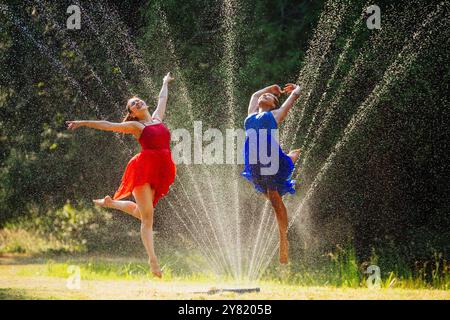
{"x": 284, "y": 250}
{"x": 154, "y": 267}
{"x": 294, "y": 154}
{"x": 105, "y": 202}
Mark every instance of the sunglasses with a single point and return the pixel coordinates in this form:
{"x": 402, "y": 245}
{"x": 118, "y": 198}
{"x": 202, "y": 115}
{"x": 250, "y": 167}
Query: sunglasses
{"x": 133, "y": 103}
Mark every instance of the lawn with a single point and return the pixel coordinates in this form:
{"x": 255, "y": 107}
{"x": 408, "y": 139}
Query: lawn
{"x": 25, "y": 277}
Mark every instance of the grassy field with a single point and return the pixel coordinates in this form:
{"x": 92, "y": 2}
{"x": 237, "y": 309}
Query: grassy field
{"x": 25, "y": 277}
{"x": 34, "y": 266}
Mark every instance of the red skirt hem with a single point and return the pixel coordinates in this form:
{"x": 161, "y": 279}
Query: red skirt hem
{"x": 154, "y": 167}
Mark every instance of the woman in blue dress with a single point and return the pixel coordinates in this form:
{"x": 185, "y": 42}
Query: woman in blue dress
{"x": 266, "y": 166}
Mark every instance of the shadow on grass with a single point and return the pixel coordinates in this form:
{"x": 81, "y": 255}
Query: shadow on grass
{"x": 14, "y": 294}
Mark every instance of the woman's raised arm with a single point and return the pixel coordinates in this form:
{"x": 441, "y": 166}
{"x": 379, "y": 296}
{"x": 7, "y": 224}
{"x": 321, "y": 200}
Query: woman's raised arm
{"x": 281, "y": 113}
{"x": 162, "y": 100}
{"x": 253, "y": 105}
{"x": 131, "y": 127}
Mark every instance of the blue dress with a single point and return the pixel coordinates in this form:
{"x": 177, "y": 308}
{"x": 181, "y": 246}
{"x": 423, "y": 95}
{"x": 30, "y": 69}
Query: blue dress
{"x": 262, "y": 169}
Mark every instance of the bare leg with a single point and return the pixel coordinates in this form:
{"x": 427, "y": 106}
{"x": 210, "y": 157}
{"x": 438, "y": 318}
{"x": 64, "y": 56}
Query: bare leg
{"x": 144, "y": 197}
{"x": 126, "y": 206}
{"x": 282, "y": 220}
{"x": 294, "y": 154}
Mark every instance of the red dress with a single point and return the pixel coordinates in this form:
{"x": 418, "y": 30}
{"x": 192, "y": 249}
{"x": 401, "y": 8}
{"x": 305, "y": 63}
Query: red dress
{"x": 153, "y": 165}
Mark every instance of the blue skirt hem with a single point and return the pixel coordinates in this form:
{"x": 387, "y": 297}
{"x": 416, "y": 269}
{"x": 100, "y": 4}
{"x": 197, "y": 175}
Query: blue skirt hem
{"x": 283, "y": 187}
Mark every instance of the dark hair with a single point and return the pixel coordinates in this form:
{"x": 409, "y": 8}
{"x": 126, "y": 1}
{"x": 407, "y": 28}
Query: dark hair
{"x": 277, "y": 102}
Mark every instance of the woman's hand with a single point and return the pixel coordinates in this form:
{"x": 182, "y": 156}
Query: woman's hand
{"x": 72, "y": 125}
{"x": 291, "y": 87}
{"x": 275, "y": 89}
{"x": 168, "y": 78}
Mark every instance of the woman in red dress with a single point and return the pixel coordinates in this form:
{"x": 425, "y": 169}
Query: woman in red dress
{"x": 149, "y": 173}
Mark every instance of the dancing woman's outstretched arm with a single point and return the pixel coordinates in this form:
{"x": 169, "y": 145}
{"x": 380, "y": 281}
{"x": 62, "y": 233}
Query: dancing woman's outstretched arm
{"x": 281, "y": 113}
{"x": 162, "y": 100}
{"x": 253, "y": 105}
{"x": 131, "y": 127}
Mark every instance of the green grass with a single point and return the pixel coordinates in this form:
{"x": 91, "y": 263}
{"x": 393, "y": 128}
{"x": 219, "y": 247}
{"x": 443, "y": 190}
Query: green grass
{"x": 22, "y": 241}
{"x": 116, "y": 278}
{"x": 104, "y": 270}
{"x": 14, "y": 294}
{"x": 343, "y": 270}
{"x": 343, "y": 275}
{"x": 340, "y": 268}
